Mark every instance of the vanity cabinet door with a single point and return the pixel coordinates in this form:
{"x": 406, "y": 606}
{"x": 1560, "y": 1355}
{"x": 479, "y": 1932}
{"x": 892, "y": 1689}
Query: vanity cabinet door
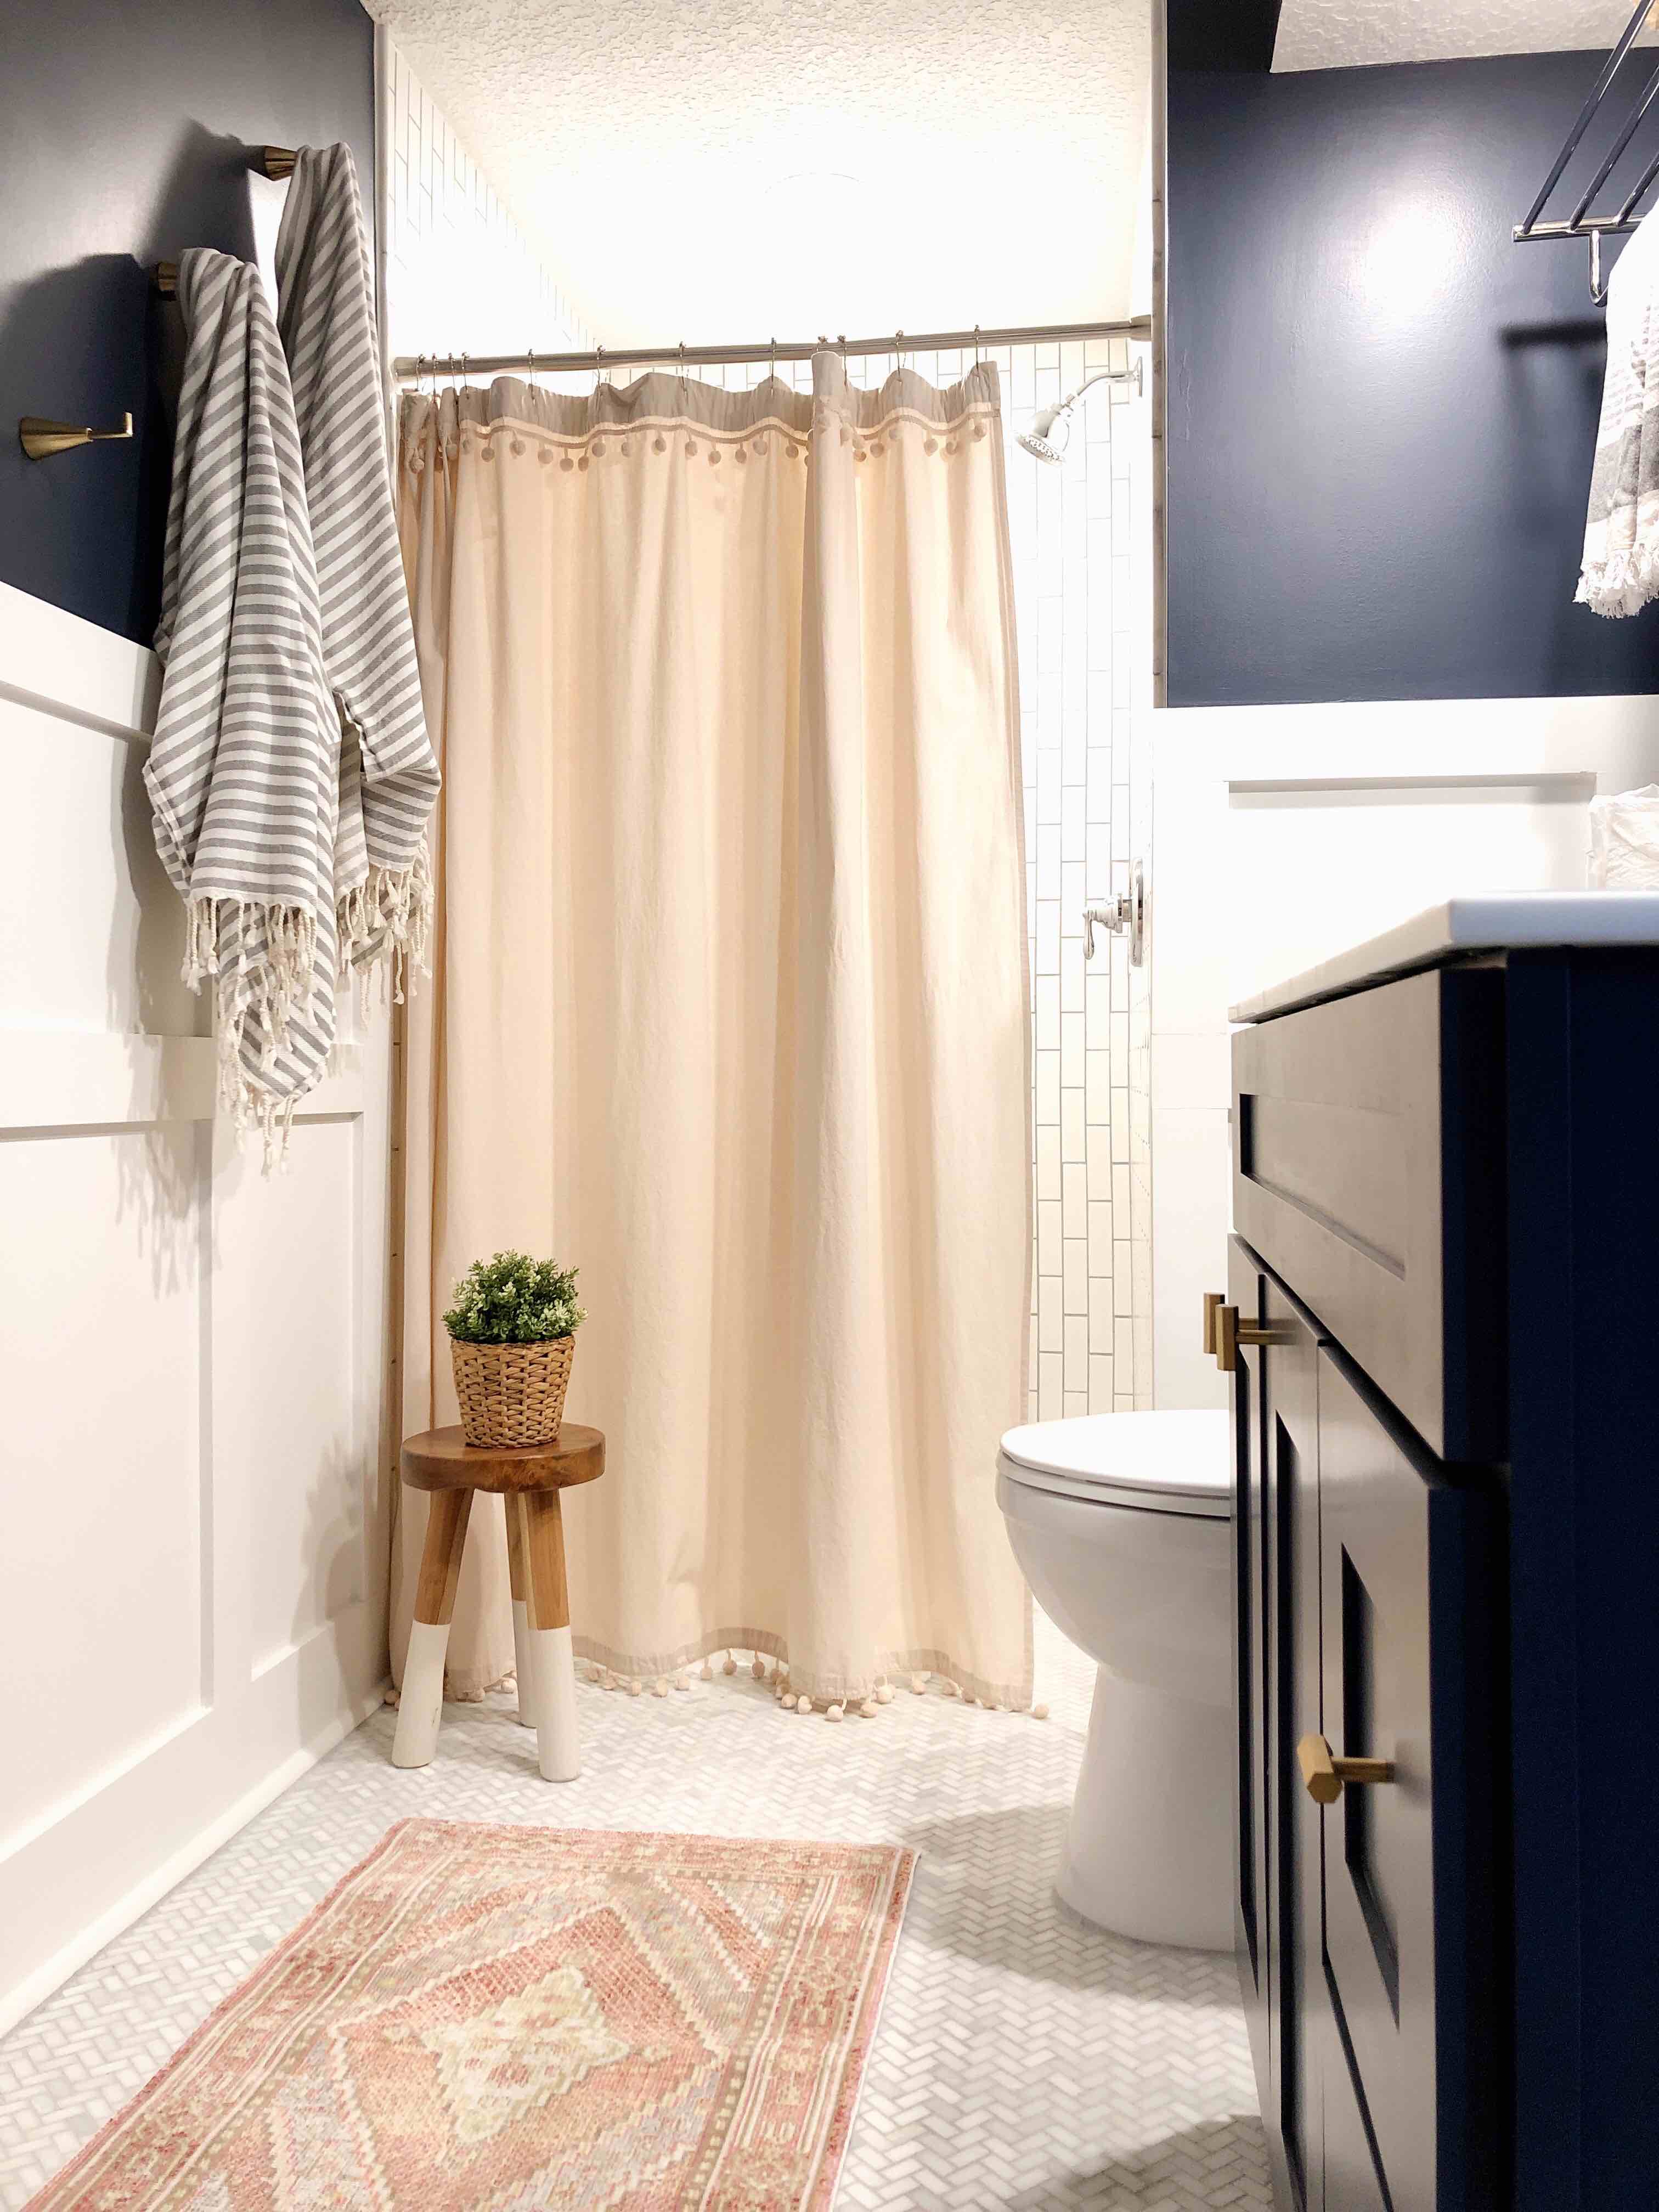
{"x": 1252, "y": 1915}
{"x": 1407, "y": 1941}
{"x": 1290, "y": 1372}
{"x": 1276, "y": 1616}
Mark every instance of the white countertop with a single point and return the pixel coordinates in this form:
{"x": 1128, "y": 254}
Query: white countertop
{"x": 1497, "y": 921}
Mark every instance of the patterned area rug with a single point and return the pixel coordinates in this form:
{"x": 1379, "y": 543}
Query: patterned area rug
{"x": 518, "y": 2018}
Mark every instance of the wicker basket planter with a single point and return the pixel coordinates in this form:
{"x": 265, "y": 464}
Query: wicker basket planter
{"x": 513, "y": 1394}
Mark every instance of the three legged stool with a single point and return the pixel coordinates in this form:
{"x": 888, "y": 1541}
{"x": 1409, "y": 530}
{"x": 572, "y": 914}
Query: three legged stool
{"x": 529, "y": 1478}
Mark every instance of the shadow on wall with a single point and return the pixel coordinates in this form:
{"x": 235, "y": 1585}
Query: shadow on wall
{"x": 84, "y": 343}
{"x": 1553, "y": 372}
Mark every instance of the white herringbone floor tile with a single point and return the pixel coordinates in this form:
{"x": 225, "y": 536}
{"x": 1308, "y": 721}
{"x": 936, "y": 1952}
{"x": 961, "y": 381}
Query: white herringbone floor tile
{"x": 1024, "y": 2063}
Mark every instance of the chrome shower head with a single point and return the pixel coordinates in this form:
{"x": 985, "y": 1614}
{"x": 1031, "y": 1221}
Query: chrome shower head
{"x": 1050, "y": 429}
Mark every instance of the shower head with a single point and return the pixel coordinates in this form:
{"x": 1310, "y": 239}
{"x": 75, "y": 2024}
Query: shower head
{"x": 1050, "y": 429}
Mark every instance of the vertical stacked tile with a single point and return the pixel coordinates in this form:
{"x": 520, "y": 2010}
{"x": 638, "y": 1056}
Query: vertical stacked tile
{"x": 459, "y": 271}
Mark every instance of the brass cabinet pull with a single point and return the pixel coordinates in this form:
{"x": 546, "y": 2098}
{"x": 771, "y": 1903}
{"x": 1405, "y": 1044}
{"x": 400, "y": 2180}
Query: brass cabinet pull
{"x": 1212, "y": 1299}
{"x": 1325, "y": 1774}
{"x": 1229, "y": 1333}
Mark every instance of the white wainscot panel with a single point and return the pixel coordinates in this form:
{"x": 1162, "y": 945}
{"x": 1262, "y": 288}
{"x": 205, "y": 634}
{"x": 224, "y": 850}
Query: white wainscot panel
{"x": 1283, "y": 835}
{"x": 78, "y": 860}
{"x": 285, "y": 1333}
{"x": 190, "y": 1354}
{"x": 103, "y": 1650}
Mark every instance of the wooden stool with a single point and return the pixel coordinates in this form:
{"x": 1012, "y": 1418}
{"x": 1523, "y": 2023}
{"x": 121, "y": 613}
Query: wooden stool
{"x": 529, "y": 1478}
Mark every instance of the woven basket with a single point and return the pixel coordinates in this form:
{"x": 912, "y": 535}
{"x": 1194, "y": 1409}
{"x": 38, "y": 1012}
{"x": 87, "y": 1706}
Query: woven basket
{"x": 513, "y": 1394}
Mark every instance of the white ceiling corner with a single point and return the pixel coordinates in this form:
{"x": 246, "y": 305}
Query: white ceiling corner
{"x": 1349, "y": 33}
{"x": 722, "y": 170}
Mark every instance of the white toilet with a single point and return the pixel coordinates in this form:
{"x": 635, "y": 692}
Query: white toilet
{"x": 1121, "y": 1524}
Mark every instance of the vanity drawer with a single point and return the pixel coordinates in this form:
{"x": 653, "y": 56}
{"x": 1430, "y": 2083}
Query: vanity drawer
{"x": 1367, "y": 1171}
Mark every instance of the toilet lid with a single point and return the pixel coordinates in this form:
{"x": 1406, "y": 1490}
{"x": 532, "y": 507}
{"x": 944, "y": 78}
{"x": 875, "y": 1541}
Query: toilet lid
{"x": 1168, "y": 1462}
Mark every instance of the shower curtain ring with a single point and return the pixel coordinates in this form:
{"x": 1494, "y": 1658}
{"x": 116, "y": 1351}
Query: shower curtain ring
{"x": 530, "y": 357}
{"x": 975, "y": 345}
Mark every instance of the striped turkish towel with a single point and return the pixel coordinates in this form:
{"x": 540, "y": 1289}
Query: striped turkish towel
{"x": 388, "y": 776}
{"x": 243, "y": 770}
{"x": 1620, "y": 571}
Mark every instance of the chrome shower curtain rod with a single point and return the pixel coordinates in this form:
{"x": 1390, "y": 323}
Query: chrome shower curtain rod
{"x": 408, "y": 368}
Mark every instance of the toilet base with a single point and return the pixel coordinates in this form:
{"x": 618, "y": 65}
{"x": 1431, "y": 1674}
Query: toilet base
{"x": 1149, "y": 1847}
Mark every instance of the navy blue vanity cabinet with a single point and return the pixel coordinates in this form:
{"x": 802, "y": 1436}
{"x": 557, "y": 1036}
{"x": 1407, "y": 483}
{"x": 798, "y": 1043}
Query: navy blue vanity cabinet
{"x": 1439, "y": 1316}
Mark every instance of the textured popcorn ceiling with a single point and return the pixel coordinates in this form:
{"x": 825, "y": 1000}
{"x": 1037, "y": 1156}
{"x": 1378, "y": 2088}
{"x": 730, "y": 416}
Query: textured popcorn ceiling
{"x": 1340, "y": 34}
{"x": 724, "y": 169}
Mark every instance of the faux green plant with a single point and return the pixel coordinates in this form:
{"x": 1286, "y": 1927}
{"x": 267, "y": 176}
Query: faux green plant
{"x": 514, "y": 1300}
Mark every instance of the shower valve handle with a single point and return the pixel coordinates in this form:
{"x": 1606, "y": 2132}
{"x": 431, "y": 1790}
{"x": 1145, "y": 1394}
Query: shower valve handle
{"x": 1113, "y": 916}
{"x": 1124, "y": 915}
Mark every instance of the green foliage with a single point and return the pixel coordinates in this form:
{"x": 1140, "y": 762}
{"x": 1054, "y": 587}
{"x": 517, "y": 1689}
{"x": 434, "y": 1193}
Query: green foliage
{"x": 514, "y": 1300}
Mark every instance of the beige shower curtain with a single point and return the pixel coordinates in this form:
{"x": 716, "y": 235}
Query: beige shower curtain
{"x": 729, "y": 1006}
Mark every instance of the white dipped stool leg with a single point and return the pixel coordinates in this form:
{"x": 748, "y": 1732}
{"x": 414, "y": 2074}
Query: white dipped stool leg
{"x": 553, "y": 1672}
{"x": 422, "y": 1703}
{"x": 523, "y": 1665}
{"x": 558, "y": 1753}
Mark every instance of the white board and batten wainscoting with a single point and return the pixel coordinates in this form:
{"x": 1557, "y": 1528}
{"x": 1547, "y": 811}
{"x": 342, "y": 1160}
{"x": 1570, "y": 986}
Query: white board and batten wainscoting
{"x": 1282, "y": 834}
{"x": 195, "y": 1494}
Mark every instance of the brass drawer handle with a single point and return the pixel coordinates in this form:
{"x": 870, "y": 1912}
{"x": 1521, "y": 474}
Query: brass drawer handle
{"x": 1324, "y": 1775}
{"x": 1213, "y": 1300}
{"x": 1229, "y": 1333}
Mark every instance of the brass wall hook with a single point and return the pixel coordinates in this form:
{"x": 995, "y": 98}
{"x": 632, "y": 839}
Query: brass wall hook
{"x": 275, "y": 162}
{"x": 38, "y": 437}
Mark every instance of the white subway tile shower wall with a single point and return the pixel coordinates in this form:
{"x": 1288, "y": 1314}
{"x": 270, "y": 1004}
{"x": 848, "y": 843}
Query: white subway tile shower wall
{"x": 1084, "y": 657}
{"x": 459, "y": 271}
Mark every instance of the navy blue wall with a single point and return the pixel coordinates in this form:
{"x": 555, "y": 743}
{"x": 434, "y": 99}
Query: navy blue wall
{"x": 125, "y": 127}
{"x": 1381, "y": 411}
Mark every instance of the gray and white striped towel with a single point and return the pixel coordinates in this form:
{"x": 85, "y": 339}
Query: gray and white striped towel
{"x": 1620, "y": 570}
{"x": 291, "y": 774}
{"x": 388, "y": 776}
{"x": 243, "y": 772}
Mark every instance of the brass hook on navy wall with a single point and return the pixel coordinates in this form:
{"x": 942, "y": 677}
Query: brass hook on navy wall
{"x": 38, "y": 437}
{"x": 274, "y": 161}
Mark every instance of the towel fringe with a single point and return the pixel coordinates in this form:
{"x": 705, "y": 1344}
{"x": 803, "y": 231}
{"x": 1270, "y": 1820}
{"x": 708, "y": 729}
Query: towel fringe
{"x": 271, "y": 993}
{"x": 387, "y": 921}
{"x": 1622, "y": 584}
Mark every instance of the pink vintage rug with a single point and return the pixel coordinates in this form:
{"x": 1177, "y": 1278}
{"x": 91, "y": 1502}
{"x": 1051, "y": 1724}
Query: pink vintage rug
{"x": 507, "y": 2020}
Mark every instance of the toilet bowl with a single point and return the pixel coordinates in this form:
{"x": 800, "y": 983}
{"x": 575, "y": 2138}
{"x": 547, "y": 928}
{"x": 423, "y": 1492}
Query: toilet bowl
{"x": 1121, "y": 1524}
